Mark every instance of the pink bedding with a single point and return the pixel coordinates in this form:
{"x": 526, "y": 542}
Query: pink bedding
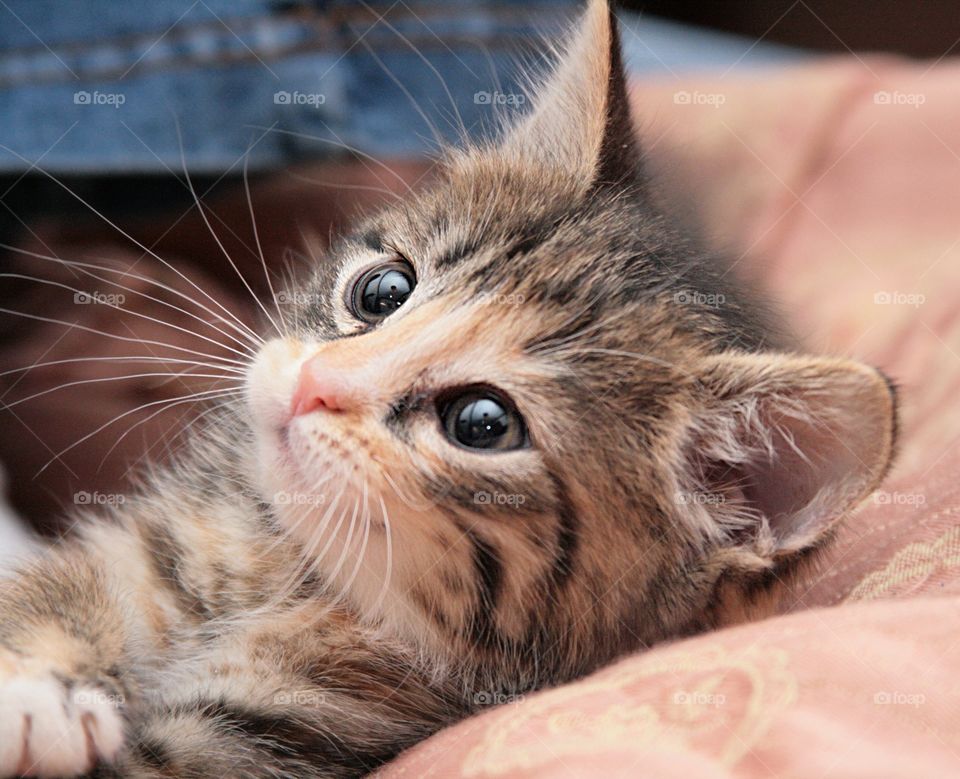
{"x": 839, "y": 184}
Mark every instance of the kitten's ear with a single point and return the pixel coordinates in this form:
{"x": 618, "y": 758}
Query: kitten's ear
{"x": 581, "y": 117}
{"x": 785, "y": 445}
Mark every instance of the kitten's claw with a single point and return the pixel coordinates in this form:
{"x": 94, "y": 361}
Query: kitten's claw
{"x": 48, "y": 730}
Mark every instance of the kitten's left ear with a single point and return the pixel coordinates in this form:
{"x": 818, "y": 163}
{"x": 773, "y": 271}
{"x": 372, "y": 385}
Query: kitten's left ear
{"x": 581, "y": 118}
{"x": 784, "y": 445}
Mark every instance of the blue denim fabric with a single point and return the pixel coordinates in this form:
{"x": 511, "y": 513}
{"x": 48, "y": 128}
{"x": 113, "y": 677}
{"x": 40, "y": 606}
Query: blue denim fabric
{"x": 100, "y": 86}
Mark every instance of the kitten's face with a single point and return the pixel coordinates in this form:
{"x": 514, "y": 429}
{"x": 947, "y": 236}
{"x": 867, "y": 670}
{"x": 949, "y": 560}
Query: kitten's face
{"x": 627, "y": 459}
{"x": 480, "y": 526}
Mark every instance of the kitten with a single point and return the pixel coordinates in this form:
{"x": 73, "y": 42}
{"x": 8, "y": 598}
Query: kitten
{"x": 519, "y": 426}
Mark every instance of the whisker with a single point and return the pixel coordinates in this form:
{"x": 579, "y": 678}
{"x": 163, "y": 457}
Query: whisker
{"x": 216, "y": 237}
{"x": 307, "y": 562}
{"x": 337, "y": 185}
{"x": 388, "y": 572}
{"x": 437, "y": 137}
{"x": 162, "y": 438}
{"x": 123, "y": 358}
{"x": 363, "y": 546}
{"x": 256, "y": 238}
{"x": 129, "y": 237}
{"x": 101, "y": 379}
{"x": 142, "y": 341}
{"x": 84, "y": 268}
{"x": 194, "y": 397}
{"x": 138, "y": 314}
{"x": 409, "y": 503}
{"x": 345, "y": 548}
{"x": 464, "y": 134}
{"x": 341, "y": 144}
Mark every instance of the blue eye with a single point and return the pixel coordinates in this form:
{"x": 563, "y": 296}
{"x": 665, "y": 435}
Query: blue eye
{"x": 481, "y": 419}
{"x": 380, "y": 291}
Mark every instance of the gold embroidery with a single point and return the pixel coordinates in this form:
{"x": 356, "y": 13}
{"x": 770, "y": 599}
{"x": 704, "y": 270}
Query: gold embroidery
{"x": 911, "y": 567}
{"x": 713, "y": 700}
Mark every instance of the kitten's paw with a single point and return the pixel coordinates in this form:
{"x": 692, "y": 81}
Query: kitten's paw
{"x": 51, "y": 728}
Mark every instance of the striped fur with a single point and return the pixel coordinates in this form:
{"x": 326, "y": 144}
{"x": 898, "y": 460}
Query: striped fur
{"x": 211, "y": 625}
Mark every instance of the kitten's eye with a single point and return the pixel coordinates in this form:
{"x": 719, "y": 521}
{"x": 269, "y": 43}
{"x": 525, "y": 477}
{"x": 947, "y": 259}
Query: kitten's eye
{"x": 481, "y": 419}
{"x": 380, "y": 291}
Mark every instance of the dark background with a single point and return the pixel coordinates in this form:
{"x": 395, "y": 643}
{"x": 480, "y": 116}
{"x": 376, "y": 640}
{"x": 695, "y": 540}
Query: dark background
{"x": 919, "y": 29}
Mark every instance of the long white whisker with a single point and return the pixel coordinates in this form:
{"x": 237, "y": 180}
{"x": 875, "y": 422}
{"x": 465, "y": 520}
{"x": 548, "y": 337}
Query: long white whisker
{"x": 129, "y": 237}
{"x": 167, "y": 442}
{"x": 363, "y": 546}
{"x": 256, "y": 238}
{"x": 332, "y": 536}
{"x": 85, "y": 266}
{"x": 203, "y": 395}
{"x": 416, "y": 106}
{"x": 453, "y": 103}
{"x": 216, "y": 237}
{"x": 388, "y": 570}
{"x": 346, "y": 544}
{"x": 411, "y": 504}
{"x": 100, "y": 379}
{"x": 342, "y": 145}
{"x": 74, "y": 325}
{"x": 138, "y": 314}
{"x": 307, "y": 562}
{"x": 338, "y": 185}
{"x": 124, "y": 358}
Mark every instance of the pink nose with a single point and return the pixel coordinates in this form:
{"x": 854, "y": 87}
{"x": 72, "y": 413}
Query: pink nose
{"x": 321, "y": 387}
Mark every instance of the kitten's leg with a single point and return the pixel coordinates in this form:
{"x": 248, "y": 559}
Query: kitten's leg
{"x": 65, "y": 660}
{"x": 307, "y": 704}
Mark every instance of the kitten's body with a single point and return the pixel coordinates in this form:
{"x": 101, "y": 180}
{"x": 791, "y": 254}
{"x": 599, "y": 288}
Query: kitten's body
{"x": 209, "y": 627}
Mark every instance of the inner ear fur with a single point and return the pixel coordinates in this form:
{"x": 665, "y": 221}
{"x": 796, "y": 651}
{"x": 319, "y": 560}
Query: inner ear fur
{"x": 783, "y": 446}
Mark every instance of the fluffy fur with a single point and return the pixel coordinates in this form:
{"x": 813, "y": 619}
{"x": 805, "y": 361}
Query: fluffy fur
{"x": 307, "y": 596}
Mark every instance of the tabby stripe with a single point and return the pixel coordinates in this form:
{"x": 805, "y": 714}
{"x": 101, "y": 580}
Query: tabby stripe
{"x": 166, "y": 556}
{"x": 284, "y": 737}
{"x": 567, "y": 532}
{"x": 489, "y": 573}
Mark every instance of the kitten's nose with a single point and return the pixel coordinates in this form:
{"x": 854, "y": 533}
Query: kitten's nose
{"x": 323, "y": 387}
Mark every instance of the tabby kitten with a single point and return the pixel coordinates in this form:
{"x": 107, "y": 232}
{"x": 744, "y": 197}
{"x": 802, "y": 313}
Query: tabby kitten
{"x": 552, "y": 453}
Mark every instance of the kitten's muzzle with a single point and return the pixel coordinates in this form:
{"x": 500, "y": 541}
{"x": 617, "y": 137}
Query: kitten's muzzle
{"x": 321, "y": 387}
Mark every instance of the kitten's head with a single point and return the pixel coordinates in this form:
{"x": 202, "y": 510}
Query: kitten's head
{"x": 523, "y": 419}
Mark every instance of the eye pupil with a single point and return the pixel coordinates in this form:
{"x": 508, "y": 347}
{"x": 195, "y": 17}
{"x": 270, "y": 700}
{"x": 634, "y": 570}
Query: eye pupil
{"x": 480, "y": 420}
{"x": 381, "y": 291}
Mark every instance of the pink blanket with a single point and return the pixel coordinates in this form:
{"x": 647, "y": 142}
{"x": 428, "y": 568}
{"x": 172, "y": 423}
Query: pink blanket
{"x": 838, "y": 185}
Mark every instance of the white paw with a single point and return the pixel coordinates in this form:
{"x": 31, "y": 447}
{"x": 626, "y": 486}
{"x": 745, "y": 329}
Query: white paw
{"x": 47, "y": 730}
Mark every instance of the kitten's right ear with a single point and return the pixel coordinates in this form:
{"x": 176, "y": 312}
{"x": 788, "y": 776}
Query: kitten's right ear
{"x": 783, "y": 446}
{"x": 581, "y": 117}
